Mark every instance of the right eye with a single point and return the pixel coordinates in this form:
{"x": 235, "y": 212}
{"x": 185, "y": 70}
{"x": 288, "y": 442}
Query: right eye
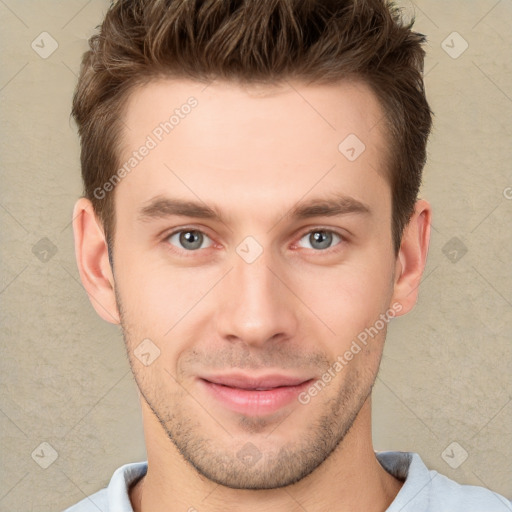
{"x": 189, "y": 239}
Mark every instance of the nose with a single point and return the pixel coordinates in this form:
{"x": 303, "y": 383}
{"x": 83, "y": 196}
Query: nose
{"x": 254, "y": 306}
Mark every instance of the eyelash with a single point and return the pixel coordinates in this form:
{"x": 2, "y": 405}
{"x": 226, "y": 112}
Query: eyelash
{"x": 182, "y": 252}
{"x": 333, "y": 249}
{"x": 330, "y": 250}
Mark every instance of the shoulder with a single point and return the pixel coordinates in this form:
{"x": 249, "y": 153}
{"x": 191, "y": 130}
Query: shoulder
{"x": 446, "y": 494}
{"x": 426, "y": 490}
{"x": 115, "y": 497}
{"x": 92, "y": 503}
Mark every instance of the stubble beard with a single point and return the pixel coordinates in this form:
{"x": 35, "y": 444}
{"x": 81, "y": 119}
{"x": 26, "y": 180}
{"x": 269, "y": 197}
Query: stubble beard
{"x": 213, "y": 449}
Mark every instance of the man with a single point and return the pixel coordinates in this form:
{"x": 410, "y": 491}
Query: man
{"x": 251, "y": 220}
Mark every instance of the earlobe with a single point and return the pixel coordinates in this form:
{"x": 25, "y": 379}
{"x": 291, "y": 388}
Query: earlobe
{"x": 93, "y": 262}
{"x": 412, "y": 257}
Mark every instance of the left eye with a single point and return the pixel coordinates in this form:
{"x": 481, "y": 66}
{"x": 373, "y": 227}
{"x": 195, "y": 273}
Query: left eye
{"x": 190, "y": 239}
{"x": 320, "y": 239}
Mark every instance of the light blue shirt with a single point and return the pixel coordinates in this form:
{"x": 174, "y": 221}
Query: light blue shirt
{"x": 422, "y": 491}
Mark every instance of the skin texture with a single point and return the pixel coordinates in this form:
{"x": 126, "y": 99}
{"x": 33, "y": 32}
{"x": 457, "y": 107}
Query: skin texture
{"x": 254, "y": 154}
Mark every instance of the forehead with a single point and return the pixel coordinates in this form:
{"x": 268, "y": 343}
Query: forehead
{"x": 269, "y": 143}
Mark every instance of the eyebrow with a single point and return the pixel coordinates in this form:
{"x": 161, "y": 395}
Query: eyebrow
{"x": 336, "y": 205}
{"x": 161, "y": 207}
{"x": 329, "y": 207}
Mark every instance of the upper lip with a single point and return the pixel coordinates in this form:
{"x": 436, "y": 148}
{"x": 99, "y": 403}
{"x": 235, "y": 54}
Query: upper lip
{"x": 255, "y": 382}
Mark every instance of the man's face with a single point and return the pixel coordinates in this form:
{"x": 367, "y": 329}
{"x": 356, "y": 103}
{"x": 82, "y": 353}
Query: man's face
{"x": 270, "y": 294}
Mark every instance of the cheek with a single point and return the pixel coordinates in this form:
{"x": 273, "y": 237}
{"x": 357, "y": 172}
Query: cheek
{"x": 348, "y": 298}
{"x": 168, "y": 305}
{"x": 157, "y": 295}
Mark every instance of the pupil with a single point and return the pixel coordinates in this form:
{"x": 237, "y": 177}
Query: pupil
{"x": 321, "y": 239}
{"x": 191, "y": 239}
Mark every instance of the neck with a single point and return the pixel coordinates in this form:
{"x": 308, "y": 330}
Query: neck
{"x": 351, "y": 478}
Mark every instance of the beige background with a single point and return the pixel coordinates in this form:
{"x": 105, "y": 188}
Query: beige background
{"x": 65, "y": 378}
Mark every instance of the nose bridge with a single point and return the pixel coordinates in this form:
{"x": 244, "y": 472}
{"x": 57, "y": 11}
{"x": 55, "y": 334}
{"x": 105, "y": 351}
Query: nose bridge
{"x": 256, "y": 306}
{"x": 256, "y": 280}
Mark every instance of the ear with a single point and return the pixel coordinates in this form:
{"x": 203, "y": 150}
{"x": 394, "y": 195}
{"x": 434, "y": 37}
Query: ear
{"x": 92, "y": 259}
{"x": 412, "y": 257}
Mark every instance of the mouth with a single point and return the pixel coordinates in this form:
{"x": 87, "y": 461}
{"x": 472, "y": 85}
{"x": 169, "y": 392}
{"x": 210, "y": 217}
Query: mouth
{"x": 254, "y": 396}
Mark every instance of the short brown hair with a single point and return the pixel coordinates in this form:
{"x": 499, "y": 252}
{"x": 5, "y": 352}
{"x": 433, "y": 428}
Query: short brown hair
{"x": 254, "y": 41}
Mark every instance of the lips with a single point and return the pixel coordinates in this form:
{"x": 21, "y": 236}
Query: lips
{"x": 256, "y": 383}
{"x": 254, "y": 395}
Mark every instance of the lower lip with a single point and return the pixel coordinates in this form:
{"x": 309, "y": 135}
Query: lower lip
{"x": 254, "y": 403}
